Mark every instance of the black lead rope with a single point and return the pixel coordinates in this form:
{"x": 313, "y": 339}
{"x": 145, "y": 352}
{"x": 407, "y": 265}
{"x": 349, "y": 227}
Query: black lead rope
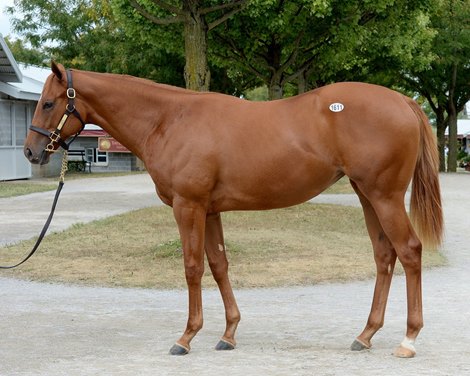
{"x": 63, "y": 170}
{"x": 44, "y": 229}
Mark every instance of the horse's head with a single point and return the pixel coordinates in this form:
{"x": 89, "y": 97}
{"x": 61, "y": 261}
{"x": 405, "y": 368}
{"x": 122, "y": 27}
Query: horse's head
{"x": 52, "y": 123}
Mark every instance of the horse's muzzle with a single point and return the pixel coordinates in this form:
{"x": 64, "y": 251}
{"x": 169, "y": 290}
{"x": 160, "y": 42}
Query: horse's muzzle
{"x": 36, "y": 158}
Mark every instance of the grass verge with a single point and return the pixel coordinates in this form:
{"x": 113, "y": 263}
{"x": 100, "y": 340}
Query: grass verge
{"x": 302, "y": 245}
{"x": 11, "y": 189}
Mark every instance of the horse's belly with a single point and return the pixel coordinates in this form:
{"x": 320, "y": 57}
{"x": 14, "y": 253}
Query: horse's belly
{"x": 273, "y": 187}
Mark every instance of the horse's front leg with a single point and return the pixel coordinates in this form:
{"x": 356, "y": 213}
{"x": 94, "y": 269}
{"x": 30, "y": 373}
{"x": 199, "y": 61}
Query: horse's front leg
{"x": 215, "y": 251}
{"x": 191, "y": 219}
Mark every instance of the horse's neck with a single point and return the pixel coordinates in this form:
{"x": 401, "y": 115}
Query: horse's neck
{"x": 128, "y": 109}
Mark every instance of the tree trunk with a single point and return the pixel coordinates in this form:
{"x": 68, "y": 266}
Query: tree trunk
{"x": 196, "y": 70}
{"x": 453, "y": 145}
{"x": 302, "y": 83}
{"x": 452, "y": 114}
{"x": 275, "y": 90}
{"x": 441, "y": 139}
{"x": 273, "y": 58}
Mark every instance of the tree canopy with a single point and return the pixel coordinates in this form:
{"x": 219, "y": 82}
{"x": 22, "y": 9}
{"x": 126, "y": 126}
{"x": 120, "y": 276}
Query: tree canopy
{"x": 312, "y": 42}
{"x": 85, "y": 34}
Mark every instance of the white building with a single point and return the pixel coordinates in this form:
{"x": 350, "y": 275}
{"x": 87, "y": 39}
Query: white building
{"x": 18, "y": 96}
{"x": 463, "y": 133}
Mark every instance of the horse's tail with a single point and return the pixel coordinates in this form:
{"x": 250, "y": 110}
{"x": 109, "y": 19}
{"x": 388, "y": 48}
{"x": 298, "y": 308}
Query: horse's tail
{"x": 425, "y": 206}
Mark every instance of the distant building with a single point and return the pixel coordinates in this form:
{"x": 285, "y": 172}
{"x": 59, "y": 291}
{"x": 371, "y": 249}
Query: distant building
{"x": 463, "y": 133}
{"x": 18, "y": 96}
{"x": 20, "y": 90}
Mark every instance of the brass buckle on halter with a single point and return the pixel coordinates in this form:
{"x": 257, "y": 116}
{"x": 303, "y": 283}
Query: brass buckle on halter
{"x": 54, "y": 137}
{"x": 71, "y": 93}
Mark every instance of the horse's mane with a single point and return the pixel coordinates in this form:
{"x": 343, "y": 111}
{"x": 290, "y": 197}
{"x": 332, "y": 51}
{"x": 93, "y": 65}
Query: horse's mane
{"x": 140, "y": 81}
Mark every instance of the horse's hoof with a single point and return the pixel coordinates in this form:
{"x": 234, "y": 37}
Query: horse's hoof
{"x": 178, "y": 349}
{"x": 406, "y": 349}
{"x": 404, "y": 352}
{"x": 224, "y": 345}
{"x": 359, "y": 346}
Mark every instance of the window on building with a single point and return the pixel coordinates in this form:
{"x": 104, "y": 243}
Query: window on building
{"x": 96, "y": 157}
{"x": 21, "y": 121}
{"x": 6, "y": 131}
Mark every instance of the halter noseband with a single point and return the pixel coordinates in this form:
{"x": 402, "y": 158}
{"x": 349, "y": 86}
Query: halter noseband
{"x": 70, "y": 109}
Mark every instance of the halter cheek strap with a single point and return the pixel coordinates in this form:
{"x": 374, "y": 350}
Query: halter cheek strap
{"x": 70, "y": 109}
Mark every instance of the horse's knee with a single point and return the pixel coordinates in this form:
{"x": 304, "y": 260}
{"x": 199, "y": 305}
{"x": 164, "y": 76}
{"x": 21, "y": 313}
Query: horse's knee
{"x": 194, "y": 272}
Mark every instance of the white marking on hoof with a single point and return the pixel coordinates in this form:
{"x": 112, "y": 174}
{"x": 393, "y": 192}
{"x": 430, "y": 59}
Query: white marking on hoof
{"x": 408, "y": 343}
{"x": 406, "y": 349}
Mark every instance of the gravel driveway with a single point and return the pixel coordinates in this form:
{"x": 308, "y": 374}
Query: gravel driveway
{"x": 49, "y": 329}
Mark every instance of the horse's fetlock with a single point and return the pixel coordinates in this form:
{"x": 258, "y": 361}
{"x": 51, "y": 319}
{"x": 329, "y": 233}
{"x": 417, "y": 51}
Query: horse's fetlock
{"x": 375, "y": 324}
{"x": 195, "y": 325}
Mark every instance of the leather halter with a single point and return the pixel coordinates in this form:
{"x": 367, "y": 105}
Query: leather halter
{"x": 70, "y": 109}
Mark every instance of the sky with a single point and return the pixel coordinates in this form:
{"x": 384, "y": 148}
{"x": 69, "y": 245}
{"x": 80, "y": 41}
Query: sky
{"x": 4, "y": 21}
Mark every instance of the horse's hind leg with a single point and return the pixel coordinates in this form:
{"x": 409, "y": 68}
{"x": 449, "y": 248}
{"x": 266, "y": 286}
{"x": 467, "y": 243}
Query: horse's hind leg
{"x": 215, "y": 251}
{"x": 385, "y": 258}
{"x": 397, "y": 226}
{"x": 391, "y": 213}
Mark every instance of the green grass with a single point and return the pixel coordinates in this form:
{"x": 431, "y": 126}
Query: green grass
{"x": 11, "y": 189}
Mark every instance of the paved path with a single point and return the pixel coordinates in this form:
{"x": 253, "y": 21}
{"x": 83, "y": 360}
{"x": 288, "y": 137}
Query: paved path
{"x": 81, "y": 200}
{"x": 49, "y": 329}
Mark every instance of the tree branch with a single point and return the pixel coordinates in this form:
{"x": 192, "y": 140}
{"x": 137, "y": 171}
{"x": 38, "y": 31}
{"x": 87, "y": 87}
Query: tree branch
{"x": 226, "y": 16}
{"x": 168, "y": 7}
{"x": 222, "y": 6}
{"x": 304, "y": 68}
{"x": 156, "y": 20}
{"x": 238, "y": 54}
{"x": 294, "y": 53}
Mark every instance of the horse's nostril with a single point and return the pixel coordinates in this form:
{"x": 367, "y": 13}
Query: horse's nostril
{"x": 29, "y": 155}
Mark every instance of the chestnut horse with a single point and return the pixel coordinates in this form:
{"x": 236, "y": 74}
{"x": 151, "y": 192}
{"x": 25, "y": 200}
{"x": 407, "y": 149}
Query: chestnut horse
{"x": 208, "y": 153}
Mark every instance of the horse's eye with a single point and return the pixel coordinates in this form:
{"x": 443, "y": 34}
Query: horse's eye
{"x": 47, "y": 105}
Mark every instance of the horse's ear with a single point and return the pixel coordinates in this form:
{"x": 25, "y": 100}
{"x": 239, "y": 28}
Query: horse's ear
{"x": 58, "y": 70}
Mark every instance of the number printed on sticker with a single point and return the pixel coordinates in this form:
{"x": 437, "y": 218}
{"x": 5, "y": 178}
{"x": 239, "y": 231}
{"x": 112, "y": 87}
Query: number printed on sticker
{"x": 336, "y": 107}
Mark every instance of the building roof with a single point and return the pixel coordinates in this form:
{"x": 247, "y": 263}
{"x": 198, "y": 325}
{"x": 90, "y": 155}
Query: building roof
{"x": 30, "y": 88}
{"x": 18, "y": 80}
{"x": 9, "y": 70}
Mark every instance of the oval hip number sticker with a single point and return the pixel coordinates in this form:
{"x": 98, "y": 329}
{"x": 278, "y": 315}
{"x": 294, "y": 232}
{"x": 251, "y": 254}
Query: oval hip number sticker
{"x": 336, "y": 107}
